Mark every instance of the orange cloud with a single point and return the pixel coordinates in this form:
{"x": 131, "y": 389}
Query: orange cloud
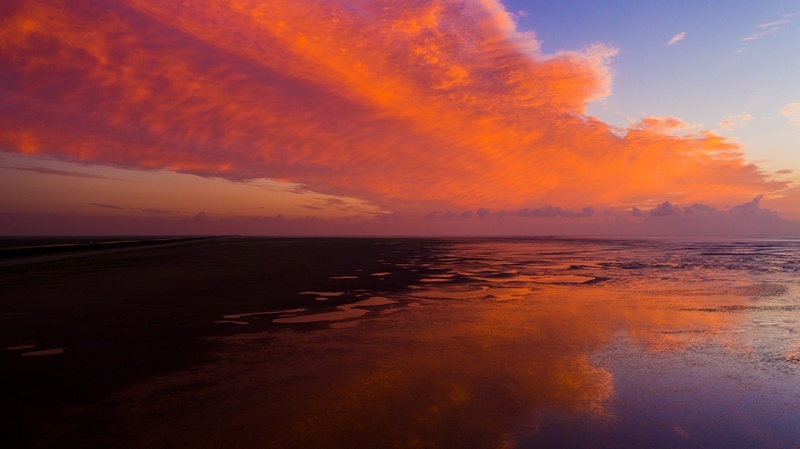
{"x": 420, "y": 103}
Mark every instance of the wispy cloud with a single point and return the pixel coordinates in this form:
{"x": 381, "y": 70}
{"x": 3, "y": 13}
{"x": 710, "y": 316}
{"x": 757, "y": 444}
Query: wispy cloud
{"x": 146, "y": 210}
{"x": 775, "y": 23}
{"x": 157, "y": 211}
{"x": 735, "y": 121}
{"x": 792, "y": 112}
{"x": 768, "y": 28}
{"x": 106, "y": 206}
{"x": 50, "y": 171}
{"x": 432, "y": 105}
{"x": 678, "y": 37}
{"x": 754, "y": 36}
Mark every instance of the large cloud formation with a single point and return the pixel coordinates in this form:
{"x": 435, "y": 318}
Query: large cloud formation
{"x": 426, "y": 102}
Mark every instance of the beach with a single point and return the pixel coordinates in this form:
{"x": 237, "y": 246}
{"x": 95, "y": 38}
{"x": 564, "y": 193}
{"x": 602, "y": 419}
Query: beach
{"x": 260, "y": 342}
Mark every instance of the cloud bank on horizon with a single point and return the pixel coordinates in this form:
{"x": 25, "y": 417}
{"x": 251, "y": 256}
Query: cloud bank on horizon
{"x": 434, "y": 104}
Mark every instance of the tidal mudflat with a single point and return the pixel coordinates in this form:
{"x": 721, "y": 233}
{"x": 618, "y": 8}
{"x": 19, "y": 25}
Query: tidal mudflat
{"x": 438, "y": 343}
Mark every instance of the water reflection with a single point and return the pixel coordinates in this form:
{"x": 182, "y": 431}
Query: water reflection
{"x": 521, "y": 344}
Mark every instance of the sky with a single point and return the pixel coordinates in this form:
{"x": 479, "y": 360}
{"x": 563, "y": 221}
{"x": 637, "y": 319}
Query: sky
{"x": 399, "y": 117}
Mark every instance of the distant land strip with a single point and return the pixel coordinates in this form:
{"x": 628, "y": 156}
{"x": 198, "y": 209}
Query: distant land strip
{"x": 19, "y": 255}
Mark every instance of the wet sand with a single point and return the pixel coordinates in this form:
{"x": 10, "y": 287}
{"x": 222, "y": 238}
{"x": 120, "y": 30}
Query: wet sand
{"x": 122, "y": 316}
{"x": 350, "y": 343}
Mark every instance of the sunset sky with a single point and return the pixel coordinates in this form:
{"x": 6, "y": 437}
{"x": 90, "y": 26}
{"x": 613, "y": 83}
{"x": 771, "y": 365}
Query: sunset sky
{"x": 398, "y": 117}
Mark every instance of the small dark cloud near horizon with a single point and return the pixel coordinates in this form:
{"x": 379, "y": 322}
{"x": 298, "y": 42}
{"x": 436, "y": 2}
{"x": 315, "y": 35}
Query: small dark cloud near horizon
{"x": 554, "y": 211}
{"x": 750, "y": 211}
{"x": 158, "y": 211}
{"x": 664, "y": 209}
{"x": 541, "y": 212}
{"x": 384, "y": 218}
{"x": 699, "y": 208}
{"x": 200, "y": 217}
{"x": 106, "y": 206}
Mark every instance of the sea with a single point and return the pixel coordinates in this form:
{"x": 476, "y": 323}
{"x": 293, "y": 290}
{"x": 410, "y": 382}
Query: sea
{"x": 448, "y": 343}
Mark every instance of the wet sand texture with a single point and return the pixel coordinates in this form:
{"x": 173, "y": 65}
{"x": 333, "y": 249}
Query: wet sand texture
{"x": 361, "y": 343}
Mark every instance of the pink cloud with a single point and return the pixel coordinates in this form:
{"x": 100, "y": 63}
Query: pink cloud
{"x": 735, "y": 121}
{"x": 678, "y": 37}
{"x": 792, "y": 112}
{"x": 769, "y": 28}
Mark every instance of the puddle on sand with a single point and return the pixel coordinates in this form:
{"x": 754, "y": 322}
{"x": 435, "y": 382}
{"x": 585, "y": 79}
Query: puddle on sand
{"x": 508, "y": 294}
{"x": 344, "y": 312}
{"x": 20, "y": 347}
{"x": 325, "y": 294}
{"x": 235, "y": 316}
{"x": 485, "y": 292}
{"x": 322, "y": 296}
{"x": 43, "y": 352}
{"x": 454, "y": 293}
{"x": 562, "y": 279}
{"x": 343, "y": 325}
{"x": 375, "y": 301}
{"x": 507, "y": 279}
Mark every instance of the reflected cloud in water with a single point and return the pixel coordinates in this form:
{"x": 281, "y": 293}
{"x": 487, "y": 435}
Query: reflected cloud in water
{"x": 525, "y": 344}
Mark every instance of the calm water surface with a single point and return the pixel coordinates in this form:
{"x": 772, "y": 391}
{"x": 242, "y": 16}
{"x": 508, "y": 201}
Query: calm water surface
{"x": 504, "y": 344}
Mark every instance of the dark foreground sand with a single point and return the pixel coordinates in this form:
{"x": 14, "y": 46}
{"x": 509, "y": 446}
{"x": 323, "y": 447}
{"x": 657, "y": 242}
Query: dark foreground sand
{"x": 436, "y": 344}
{"x": 127, "y": 315}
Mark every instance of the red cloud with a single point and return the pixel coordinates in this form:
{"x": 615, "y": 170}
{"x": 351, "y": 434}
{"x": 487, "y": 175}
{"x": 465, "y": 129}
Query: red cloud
{"x": 405, "y": 102}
